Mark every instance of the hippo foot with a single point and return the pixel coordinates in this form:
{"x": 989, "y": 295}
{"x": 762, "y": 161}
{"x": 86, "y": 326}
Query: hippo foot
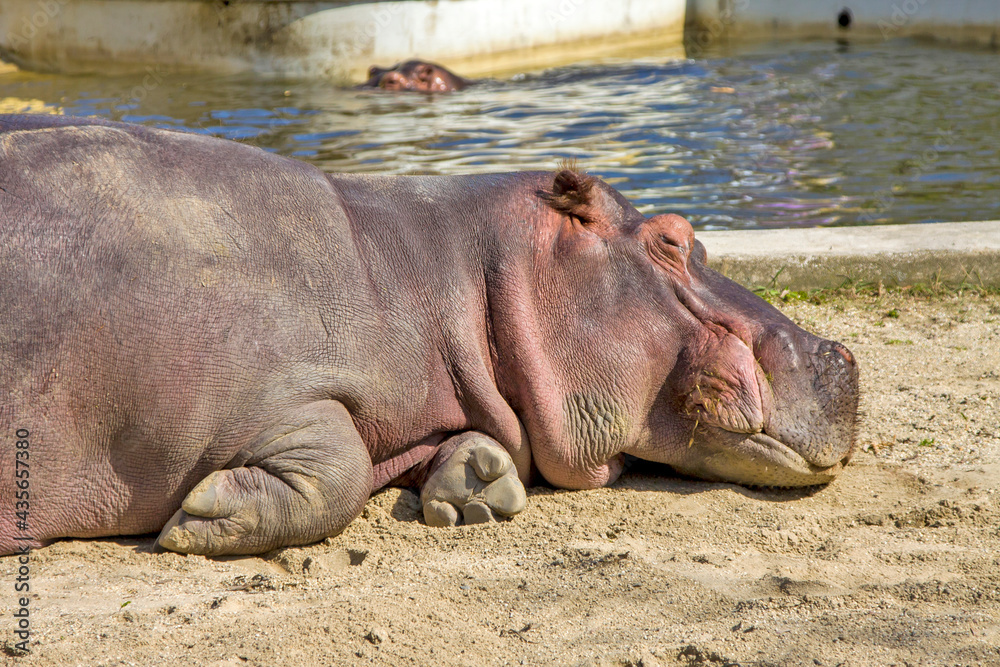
{"x": 476, "y": 484}
{"x": 204, "y": 525}
{"x": 301, "y": 480}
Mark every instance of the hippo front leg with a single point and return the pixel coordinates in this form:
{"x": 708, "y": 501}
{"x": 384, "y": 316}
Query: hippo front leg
{"x": 305, "y": 478}
{"x": 474, "y": 481}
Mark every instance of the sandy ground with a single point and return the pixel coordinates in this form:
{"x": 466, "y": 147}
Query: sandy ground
{"x": 895, "y": 563}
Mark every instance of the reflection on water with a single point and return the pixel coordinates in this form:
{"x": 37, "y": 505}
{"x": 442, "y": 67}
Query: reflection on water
{"x": 792, "y": 136}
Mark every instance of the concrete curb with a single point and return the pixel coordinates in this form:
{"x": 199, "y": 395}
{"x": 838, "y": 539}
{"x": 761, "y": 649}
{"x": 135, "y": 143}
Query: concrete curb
{"x": 896, "y": 255}
{"x": 957, "y": 22}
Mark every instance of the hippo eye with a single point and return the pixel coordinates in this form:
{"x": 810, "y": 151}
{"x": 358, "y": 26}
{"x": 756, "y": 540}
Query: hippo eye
{"x": 424, "y": 72}
{"x": 666, "y": 239}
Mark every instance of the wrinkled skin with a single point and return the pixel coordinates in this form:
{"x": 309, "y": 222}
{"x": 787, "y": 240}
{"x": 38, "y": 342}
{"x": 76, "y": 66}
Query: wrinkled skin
{"x": 415, "y": 76}
{"x": 233, "y": 346}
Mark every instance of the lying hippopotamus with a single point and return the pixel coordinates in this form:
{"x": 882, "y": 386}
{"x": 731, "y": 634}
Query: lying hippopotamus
{"x": 235, "y": 347}
{"x": 415, "y": 75}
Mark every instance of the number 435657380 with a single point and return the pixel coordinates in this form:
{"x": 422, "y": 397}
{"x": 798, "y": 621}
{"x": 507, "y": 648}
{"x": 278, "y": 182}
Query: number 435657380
{"x": 21, "y": 474}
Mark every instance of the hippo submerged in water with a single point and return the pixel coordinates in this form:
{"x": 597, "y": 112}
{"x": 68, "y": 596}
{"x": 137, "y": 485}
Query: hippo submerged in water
{"x": 416, "y": 76}
{"x": 237, "y": 348}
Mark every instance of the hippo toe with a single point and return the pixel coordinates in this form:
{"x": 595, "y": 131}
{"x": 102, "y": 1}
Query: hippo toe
{"x": 475, "y": 484}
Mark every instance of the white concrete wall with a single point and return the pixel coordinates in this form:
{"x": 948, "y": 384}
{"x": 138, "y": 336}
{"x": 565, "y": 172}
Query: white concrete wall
{"x": 340, "y": 39}
{"x": 333, "y": 39}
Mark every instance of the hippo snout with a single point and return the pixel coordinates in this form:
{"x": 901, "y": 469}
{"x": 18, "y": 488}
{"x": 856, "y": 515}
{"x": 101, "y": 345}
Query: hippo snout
{"x": 801, "y": 392}
{"x": 814, "y": 385}
{"x": 394, "y": 81}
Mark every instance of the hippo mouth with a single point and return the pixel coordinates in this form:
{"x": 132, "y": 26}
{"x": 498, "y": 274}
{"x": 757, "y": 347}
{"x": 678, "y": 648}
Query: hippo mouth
{"x": 760, "y": 460}
{"x": 787, "y": 458}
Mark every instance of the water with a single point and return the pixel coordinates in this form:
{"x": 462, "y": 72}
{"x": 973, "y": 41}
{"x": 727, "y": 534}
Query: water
{"x": 784, "y": 136}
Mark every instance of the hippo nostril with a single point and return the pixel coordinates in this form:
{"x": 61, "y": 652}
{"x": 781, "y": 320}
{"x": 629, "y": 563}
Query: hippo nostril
{"x": 844, "y": 352}
{"x": 849, "y": 455}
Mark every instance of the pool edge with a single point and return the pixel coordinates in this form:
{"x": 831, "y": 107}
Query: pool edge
{"x": 949, "y": 253}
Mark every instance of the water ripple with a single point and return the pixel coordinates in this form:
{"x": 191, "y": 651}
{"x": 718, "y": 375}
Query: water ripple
{"x": 792, "y": 136}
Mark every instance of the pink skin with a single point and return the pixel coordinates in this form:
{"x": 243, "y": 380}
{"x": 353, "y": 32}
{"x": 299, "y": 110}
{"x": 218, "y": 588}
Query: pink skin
{"x": 675, "y": 388}
{"x": 210, "y": 324}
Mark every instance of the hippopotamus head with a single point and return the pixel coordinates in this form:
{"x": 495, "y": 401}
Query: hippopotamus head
{"x": 414, "y": 75}
{"x": 657, "y": 356}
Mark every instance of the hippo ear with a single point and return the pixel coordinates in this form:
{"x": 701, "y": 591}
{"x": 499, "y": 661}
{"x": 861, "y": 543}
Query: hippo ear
{"x": 571, "y": 191}
{"x": 577, "y": 195}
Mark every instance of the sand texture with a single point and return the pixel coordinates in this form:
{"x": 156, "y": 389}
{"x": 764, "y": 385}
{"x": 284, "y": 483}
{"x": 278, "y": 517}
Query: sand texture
{"x": 895, "y": 563}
